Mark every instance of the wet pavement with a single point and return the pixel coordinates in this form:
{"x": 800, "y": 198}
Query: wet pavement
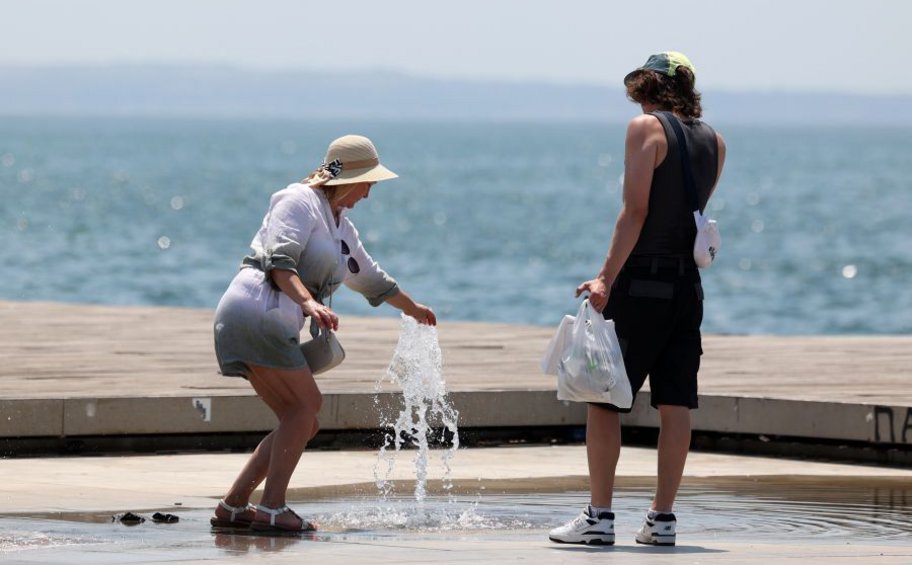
{"x": 731, "y": 509}
{"x": 738, "y": 522}
{"x": 749, "y": 513}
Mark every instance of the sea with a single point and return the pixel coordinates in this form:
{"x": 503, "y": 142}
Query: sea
{"x": 488, "y": 222}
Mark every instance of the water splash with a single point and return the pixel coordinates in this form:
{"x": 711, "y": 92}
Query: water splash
{"x": 417, "y": 367}
{"x": 435, "y": 514}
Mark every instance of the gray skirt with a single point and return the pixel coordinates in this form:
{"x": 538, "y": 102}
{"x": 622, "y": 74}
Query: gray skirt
{"x": 256, "y": 324}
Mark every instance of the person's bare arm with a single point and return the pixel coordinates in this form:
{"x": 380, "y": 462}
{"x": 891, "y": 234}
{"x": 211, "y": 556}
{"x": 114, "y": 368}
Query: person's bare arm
{"x": 420, "y": 312}
{"x": 645, "y": 136}
{"x": 290, "y": 283}
{"x": 720, "y": 143}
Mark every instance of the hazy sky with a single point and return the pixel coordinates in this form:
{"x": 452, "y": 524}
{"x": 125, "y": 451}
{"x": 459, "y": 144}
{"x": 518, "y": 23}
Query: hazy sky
{"x": 841, "y": 45}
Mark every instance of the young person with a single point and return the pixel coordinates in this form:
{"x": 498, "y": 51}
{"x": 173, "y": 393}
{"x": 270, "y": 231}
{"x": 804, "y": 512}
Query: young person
{"x": 650, "y": 286}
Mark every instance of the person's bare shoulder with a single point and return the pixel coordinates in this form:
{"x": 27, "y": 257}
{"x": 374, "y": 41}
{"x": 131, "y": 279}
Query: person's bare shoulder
{"x": 644, "y": 124}
{"x": 646, "y": 129}
{"x": 722, "y": 148}
{"x": 646, "y": 135}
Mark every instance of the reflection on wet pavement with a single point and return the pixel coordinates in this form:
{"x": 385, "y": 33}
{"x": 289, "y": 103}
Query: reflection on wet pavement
{"x": 758, "y": 511}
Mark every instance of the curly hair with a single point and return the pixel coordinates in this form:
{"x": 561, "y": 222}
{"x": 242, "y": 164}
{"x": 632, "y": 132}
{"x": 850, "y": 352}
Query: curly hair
{"x": 676, "y": 93}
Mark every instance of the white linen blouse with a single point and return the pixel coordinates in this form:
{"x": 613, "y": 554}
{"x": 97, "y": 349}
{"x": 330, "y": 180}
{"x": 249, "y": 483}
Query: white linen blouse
{"x": 255, "y": 322}
{"x": 299, "y": 234}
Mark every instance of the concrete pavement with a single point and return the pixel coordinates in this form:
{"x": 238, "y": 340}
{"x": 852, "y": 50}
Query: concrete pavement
{"x": 73, "y": 371}
{"x": 55, "y": 510}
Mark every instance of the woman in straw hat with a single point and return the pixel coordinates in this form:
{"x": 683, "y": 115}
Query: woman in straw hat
{"x": 649, "y": 285}
{"x": 303, "y": 251}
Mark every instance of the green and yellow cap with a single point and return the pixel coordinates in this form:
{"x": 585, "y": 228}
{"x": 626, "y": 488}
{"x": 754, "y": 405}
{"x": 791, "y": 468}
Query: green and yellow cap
{"x": 664, "y": 63}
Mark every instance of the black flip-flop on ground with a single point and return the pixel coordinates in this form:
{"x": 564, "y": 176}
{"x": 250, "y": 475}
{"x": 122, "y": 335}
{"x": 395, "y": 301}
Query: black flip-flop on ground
{"x": 160, "y": 518}
{"x": 128, "y": 519}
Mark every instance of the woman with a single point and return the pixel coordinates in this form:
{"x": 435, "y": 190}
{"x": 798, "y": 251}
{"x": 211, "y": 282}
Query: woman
{"x": 304, "y": 250}
{"x": 649, "y": 285}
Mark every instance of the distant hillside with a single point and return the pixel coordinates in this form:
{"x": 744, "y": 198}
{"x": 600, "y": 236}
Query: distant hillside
{"x": 230, "y": 92}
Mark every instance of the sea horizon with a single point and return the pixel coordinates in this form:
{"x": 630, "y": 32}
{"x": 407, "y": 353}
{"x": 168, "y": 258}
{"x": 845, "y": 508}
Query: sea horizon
{"x": 492, "y": 224}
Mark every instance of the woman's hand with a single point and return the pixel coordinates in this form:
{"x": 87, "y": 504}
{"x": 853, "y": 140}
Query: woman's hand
{"x": 324, "y": 316}
{"x": 290, "y": 283}
{"x": 423, "y": 314}
{"x": 598, "y": 293}
{"x": 409, "y": 307}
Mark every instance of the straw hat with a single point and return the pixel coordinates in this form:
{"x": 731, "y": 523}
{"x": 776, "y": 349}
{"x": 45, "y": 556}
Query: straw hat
{"x": 353, "y": 158}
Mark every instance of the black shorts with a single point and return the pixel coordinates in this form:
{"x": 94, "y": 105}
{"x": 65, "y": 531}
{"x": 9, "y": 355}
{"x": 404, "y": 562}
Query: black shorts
{"x": 657, "y": 308}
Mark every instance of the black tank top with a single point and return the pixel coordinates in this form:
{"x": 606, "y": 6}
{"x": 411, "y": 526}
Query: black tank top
{"x": 669, "y": 229}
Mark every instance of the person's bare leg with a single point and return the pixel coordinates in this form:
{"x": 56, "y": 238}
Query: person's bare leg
{"x": 253, "y": 473}
{"x": 250, "y": 477}
{"x": 674, "y": 443}
{"x": 291, "y": 437}
{"x": 295, "y": 399}
{"x": 603, "y": 448}
{"x": 299, "y": 400}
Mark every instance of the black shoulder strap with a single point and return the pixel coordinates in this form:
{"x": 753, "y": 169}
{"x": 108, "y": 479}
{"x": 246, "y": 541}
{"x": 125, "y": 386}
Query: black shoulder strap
{"x": 689, "y": 183}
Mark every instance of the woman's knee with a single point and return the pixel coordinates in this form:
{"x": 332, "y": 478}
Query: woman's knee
{"x": 309, "y": 399}
{"x": 285, "y": 391}
{"x": 315, "y": 401}
{"x": 302, "y": 419}
{"x": 314, "y": 429}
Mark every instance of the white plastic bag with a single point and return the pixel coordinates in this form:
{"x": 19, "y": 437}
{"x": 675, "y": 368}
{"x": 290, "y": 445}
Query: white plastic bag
{"x": 555, "y": 348}
{"x": 591, "y": 367}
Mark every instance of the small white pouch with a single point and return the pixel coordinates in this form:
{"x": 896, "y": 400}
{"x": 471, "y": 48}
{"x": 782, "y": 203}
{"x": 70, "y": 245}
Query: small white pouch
{"x": 323, "y": 352}
{"x": 708, "y": 240}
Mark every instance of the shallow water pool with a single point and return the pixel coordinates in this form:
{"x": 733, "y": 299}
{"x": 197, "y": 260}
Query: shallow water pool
{"x": 758, "y": 511}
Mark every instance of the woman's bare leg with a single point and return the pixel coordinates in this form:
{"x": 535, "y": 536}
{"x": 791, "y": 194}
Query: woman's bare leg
{"x": 248, "y": 480}
{"x": 253, "y": 473}
{"x": 295, "y": 399}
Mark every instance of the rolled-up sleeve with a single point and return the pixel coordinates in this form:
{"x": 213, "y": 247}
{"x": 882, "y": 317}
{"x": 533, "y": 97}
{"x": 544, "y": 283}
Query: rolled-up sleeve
{"x": 366, "y": 278}
{"x": 285, "y": 232}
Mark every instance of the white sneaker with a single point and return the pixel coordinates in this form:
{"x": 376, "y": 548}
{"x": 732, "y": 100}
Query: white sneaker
{"x": 658, "y": 529}
{"x": 586, "y": 529}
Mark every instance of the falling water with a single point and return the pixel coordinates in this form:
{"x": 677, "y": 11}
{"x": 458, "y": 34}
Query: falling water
{"x": 417, "y": 367}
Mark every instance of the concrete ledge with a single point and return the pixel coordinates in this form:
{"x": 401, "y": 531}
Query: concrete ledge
{"x": 101, "y": 371}
{"x": 875, "y": 425}
{"x": 31, "y": 418}
{"x": 516, "y": 408}
{"x": 171, "y": 415}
